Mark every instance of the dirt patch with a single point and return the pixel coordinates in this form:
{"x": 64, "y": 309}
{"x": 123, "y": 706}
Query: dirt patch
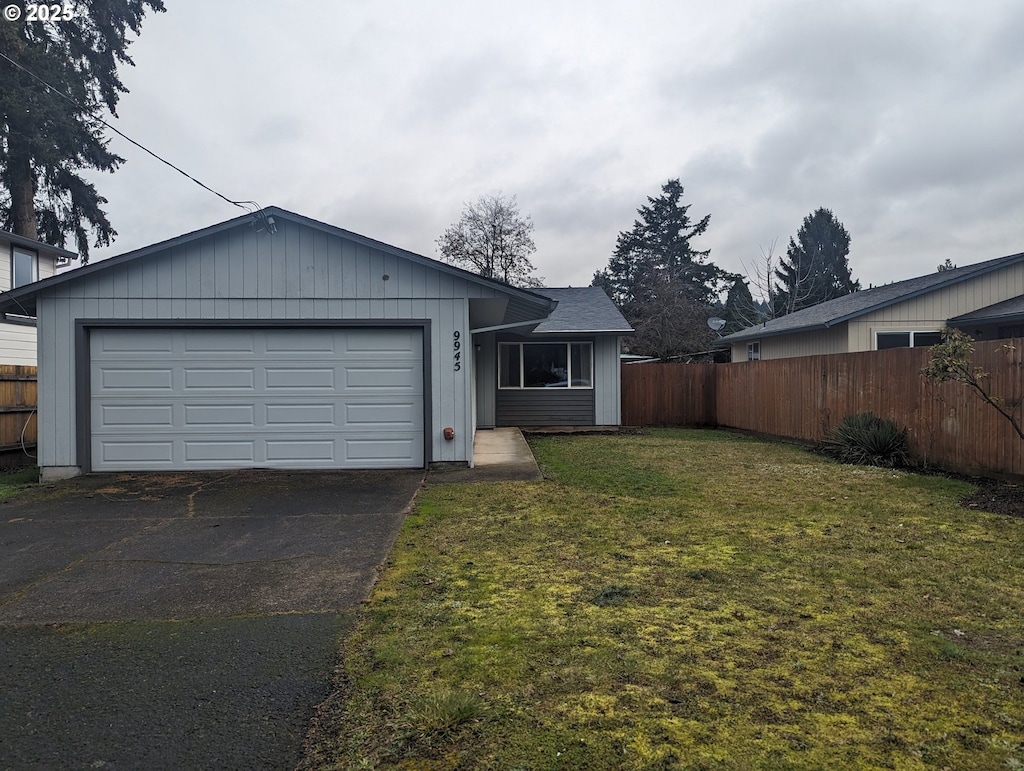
{"x": 998, "y": 497}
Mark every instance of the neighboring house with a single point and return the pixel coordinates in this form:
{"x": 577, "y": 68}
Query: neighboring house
{"x": 986, "y": 299}
{"x": 23, "y": 261}
{"x": 280, "y": 341}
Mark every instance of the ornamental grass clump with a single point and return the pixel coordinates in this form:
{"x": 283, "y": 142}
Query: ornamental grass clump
{"x": 868, "y": 440}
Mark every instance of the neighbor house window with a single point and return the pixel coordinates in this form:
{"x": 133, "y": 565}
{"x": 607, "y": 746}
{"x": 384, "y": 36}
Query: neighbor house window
{"x": 545, "y": 365}
{"x": 885, "y": 340}
{"x": 754, "y": 351}
{"x": 24, "y": 266}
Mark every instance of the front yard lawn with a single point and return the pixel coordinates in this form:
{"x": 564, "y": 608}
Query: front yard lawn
{"x": 689, "y": 599}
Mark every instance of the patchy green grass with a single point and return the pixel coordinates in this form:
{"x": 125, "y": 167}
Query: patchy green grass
{"x": 12, "y": 482}
{"x": 689, "y": 599}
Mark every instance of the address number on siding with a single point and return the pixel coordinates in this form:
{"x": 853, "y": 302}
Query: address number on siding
{"x": 457, "y": 350}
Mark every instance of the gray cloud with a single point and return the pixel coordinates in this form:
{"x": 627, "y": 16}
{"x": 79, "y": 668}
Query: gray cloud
{"x": 904, "y": 118}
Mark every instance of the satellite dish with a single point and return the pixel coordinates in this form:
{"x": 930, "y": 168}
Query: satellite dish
{"x": 716, "y": 323}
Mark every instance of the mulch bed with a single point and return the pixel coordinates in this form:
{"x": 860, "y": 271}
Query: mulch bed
{"x": 998, "y": 497}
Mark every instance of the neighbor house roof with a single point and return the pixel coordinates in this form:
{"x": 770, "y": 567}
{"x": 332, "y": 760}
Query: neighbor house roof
{"x": 582, "y": 309}
{"x": 1007, "y": 310}
{"x": 39, "y": 246}
{"x": 827, "y": 314}
{"x": 24, "y": 298}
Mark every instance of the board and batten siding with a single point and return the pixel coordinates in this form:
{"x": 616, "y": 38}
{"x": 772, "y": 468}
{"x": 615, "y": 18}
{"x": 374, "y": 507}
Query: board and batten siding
{"x": 931, "y": 311}
{"x": 607, "y": 380}
{"x": 297, "y": 274}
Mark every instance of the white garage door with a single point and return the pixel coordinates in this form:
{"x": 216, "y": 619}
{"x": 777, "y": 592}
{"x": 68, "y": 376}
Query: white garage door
{"x": 179, "y": 399}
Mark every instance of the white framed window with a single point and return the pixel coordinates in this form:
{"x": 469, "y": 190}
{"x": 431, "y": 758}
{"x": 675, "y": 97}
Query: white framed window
{"x": 754, "y": 351}
{"x": 545, "y": 365}
{"x": 24, "y": 266}
{"x": 908, "y": 339}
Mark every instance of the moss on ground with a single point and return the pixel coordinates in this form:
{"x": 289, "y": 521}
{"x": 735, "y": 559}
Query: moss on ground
{"x": 692, "y": 599}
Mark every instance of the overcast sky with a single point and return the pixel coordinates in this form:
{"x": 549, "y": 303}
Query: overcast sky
{"x": 384, "y": 118}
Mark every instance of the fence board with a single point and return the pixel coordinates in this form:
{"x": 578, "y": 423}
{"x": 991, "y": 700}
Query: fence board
{"x": 668, "y": 394}
{"x": 802, "y": 398}
{"x": 18, "y": 395}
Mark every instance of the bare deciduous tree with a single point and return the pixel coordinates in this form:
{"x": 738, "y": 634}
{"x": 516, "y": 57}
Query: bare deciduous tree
{"x": 493, "y": 239}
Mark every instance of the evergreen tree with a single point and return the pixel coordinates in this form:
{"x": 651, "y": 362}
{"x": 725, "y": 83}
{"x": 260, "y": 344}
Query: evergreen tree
{"x": 45, "y": 140}
{"x": 740, "y": 309}
{"x": 815, "y": 268}
{"x": 660, "y": 281}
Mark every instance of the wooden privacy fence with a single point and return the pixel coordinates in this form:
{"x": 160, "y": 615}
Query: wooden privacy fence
{"x": 17, "y": 406}
{"x": 947, "y": 424}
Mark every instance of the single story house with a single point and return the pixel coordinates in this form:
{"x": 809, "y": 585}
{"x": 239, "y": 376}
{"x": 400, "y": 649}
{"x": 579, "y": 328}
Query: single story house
{"x": 986, "y": 299}
{"x": 23, "y": 261}
{"x": 277, "y": 341}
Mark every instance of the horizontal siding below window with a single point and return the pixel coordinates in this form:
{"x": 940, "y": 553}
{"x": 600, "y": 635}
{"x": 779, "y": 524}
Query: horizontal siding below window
{"x": 546, "y": 407}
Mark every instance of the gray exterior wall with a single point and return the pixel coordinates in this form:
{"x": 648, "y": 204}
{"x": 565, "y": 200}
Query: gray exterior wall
{"x": 546, "y": 407}
{"x": 238, "y": 274}
{"x": 600, "y": 405}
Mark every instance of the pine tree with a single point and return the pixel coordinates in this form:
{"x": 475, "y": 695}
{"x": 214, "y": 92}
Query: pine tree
{"x": 815, "y": 268}
{"x": 661, "y": 283}
{"x": 46, "y": 141}
{"x": 740, "y": 309}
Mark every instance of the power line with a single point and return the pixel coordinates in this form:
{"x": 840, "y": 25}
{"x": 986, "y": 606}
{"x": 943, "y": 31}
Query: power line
{"x": 250, "y": 206}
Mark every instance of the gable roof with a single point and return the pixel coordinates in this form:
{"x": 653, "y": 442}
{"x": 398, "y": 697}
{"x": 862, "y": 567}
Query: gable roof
{"x": 582, "y": 309}
{"x": 828, "y": 314}
{"x": 24, "y": 298}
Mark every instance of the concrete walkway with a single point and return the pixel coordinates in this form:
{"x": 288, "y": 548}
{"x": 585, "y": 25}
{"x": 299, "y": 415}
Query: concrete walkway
{"x": 499, "y": 455}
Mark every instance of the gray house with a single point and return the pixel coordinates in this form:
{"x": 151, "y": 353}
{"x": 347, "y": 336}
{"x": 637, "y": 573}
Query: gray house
{"x": 278, "y": 341}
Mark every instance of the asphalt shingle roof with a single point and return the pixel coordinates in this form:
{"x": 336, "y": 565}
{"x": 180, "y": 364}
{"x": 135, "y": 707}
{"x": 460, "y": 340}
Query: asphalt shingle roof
{"x": 850, "y": 306}
{"x": 581, "y": 309}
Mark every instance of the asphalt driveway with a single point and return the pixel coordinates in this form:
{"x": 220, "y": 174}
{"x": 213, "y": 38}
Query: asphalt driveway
{"x": 182, "y": 620}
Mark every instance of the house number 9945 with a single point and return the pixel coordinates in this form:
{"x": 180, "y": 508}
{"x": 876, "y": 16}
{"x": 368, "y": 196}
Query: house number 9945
{"x": 457, "y": 350}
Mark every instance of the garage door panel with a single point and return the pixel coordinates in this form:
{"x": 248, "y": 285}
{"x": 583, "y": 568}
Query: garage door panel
{"x": 134, "y": 379}
{"x": 143, "y": 341}
{"x": 383, "y": 378}
{"x": 292, "y": 378}
{"x": 137, "y": 416}
{"x": 273, "y": 398}
{"x": 376, "y": 450}
{"x": 219, "y": 415}
{"x": 306, "y": 415}
{"x": 134, "y": 451}
{"x": 393, "y": 414}
{"x": 289, "y": 450}
{"x": 241, "y": 452}
{"x": 219, "y": 379}
{"x": 312, "y": 341}
{"x": 368, "y": 342}
{"x": 219, "y": 341}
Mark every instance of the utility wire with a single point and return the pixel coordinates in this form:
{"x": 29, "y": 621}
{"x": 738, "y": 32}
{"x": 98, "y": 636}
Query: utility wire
{"x": 250, "y": 206}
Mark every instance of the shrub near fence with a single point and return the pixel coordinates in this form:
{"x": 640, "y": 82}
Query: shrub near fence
{"x": 17, "y": 406}
{"x": 801, "y": 398}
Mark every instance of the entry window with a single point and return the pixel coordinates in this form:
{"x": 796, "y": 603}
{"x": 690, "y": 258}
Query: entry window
{"x": 886, "y": 340}
{"x": 545, "y": 365}
{"x": 754, "y": 351}
{"x": 24, "y": 266}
